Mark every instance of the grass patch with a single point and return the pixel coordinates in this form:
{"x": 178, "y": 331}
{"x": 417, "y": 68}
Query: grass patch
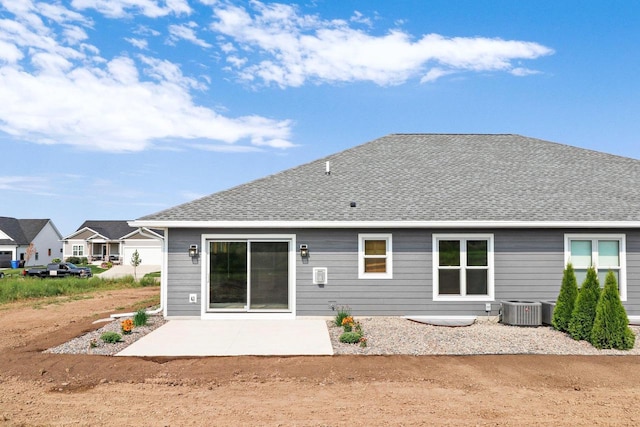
{"x": 24, "y": 288}
{"x": 57, "y": 300}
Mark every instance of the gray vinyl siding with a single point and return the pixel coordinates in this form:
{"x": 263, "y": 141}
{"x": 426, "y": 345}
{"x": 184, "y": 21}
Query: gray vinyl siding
{"x": 633, "y": 273}
{"x": 183, "y": 275}
{"x": 528, "y": 266}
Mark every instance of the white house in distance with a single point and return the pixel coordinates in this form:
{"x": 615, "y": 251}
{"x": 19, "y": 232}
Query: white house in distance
{"x": 114, "y": 241}
{"x": 16, "y": 235}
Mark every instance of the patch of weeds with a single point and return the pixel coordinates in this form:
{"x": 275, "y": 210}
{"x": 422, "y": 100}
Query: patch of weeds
{"x": 111, "y": 337}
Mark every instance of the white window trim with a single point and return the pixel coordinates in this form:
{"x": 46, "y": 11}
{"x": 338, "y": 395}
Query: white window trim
{"x": 80, "y": 249}
{"x": 490, "y": 263}
{"x": 622, "y": 286}
{"x": 389, "y": 256}
{"x": 206, "y": 314}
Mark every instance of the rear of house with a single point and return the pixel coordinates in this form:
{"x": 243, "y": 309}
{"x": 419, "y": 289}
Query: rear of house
{"x": 406, "y": 225}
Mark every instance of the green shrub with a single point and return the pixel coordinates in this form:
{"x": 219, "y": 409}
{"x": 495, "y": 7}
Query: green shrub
{"x": 148, "y": 281}
{"x": 56, "y": 261}
{"x": 343, "y": 312}
{"x": 611, "y": 325}
{"x": 350, "y": 337}
{"x": 584, "y": 312}
{"x": 73, "y": 260}
{"x": 111, "y": 337}
{"x": 566, "y": 300}
{"x": 140, "y": 318}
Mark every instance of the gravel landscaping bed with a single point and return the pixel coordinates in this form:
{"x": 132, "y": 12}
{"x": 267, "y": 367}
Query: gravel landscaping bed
{"x": 395, "y": 335}
{"x": 82, "y": 344}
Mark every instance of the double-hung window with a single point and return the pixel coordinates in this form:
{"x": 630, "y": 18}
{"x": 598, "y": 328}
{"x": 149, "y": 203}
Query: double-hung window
{"x": 78, "y": 250}
{"x": 463, "y": 267}
{"x": 605, "y": 252}
{"x": 375, "y": 256}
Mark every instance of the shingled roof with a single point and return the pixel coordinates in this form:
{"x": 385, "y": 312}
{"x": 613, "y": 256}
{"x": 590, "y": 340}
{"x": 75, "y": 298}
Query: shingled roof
{"x": 11, "y": 227}
{"x": 22, "y": 231}
{"x": 430, "y": 178}
{"x": 111, "y": 229}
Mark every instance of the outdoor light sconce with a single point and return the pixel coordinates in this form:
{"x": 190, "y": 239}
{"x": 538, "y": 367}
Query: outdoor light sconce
{"x": 304, "y": 251}
{"x": 193, "y": 251}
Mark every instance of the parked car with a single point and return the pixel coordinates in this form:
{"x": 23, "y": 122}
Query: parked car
{"x": 62, "y": 269}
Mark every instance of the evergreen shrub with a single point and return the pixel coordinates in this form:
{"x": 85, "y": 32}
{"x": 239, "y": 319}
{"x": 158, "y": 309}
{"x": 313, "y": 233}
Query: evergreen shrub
{"x": 584, "y": 311}
{"x": 566, "y": 300}
{"x": 611, "y": 325}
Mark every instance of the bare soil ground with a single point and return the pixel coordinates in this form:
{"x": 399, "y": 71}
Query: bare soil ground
{"x": 49, "y": 389}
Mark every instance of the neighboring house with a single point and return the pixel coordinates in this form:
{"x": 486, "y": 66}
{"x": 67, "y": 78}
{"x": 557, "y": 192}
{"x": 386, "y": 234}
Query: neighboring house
{"x": 17, "y": 234}
{"x": 114, "y": 241}
{"x": 406, "y": 225}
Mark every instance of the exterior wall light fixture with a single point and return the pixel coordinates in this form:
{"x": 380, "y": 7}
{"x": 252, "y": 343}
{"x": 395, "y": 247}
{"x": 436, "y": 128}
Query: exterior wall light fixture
{"x": 193, "y": 251}
{"x": 304, "y": 251}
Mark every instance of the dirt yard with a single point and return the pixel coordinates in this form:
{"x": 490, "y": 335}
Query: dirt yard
{"x": 49, "y": 389}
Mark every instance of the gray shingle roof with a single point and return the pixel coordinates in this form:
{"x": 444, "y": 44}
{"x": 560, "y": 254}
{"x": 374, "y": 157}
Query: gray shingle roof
{"x": 11, "y": 227}
{"x": 32, "y": 227}
{"x": 435, "y": 177}
{"x": 111, "y": 229}
{"x": 23, "y": 231}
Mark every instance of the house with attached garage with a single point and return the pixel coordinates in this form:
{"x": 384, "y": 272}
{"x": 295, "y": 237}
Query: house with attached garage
{"x": 408, "y": 224}
{"x": 115, "y": 241}
{"x": 17, "y": 235}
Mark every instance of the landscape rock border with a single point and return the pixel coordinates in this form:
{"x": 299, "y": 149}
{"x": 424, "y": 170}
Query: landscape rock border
{"x": 397, "y": 336}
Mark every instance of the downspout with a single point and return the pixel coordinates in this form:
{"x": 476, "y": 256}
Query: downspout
{"x": 163, "y": 279}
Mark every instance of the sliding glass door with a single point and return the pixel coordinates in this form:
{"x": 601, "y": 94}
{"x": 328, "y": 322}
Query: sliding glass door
{"x": 248, "y": 275}
{"x": 228, "y": 275}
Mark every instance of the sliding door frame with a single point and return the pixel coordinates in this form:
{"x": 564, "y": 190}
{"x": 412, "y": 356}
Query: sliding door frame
{"x": 207, "y": 313}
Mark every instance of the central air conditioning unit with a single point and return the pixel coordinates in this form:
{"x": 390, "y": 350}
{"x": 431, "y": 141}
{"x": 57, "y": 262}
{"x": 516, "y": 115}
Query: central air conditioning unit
{"x": 521, "y": 313}
{"x": 547, "y": 312}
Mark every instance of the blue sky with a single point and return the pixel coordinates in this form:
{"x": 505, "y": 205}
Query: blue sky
{"x": 115, "y": 109}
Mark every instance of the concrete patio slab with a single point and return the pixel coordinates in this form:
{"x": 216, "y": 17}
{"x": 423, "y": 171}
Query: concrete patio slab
{"x": 300, "y": 337}
{"x": 118, "y": 271}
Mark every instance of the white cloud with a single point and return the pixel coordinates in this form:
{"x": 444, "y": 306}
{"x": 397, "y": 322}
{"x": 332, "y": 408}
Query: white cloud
{"x": 361, "y": 19}
{"x": 54, "y": 92}
{"x": 186, "y": 32}
{"x": 141, "y": 44}
{"x": 523, "y": 72}
{"x": 122, "y": 8}
{"x": 294, "y": 48}
{"x": 26, "y": 184}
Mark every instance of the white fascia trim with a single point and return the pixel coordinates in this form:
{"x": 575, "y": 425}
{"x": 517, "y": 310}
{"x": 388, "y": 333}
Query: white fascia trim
{"x": 82, "y": 230}
{"x": 143, "y": 231}
{"x": 386, "y": 224}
